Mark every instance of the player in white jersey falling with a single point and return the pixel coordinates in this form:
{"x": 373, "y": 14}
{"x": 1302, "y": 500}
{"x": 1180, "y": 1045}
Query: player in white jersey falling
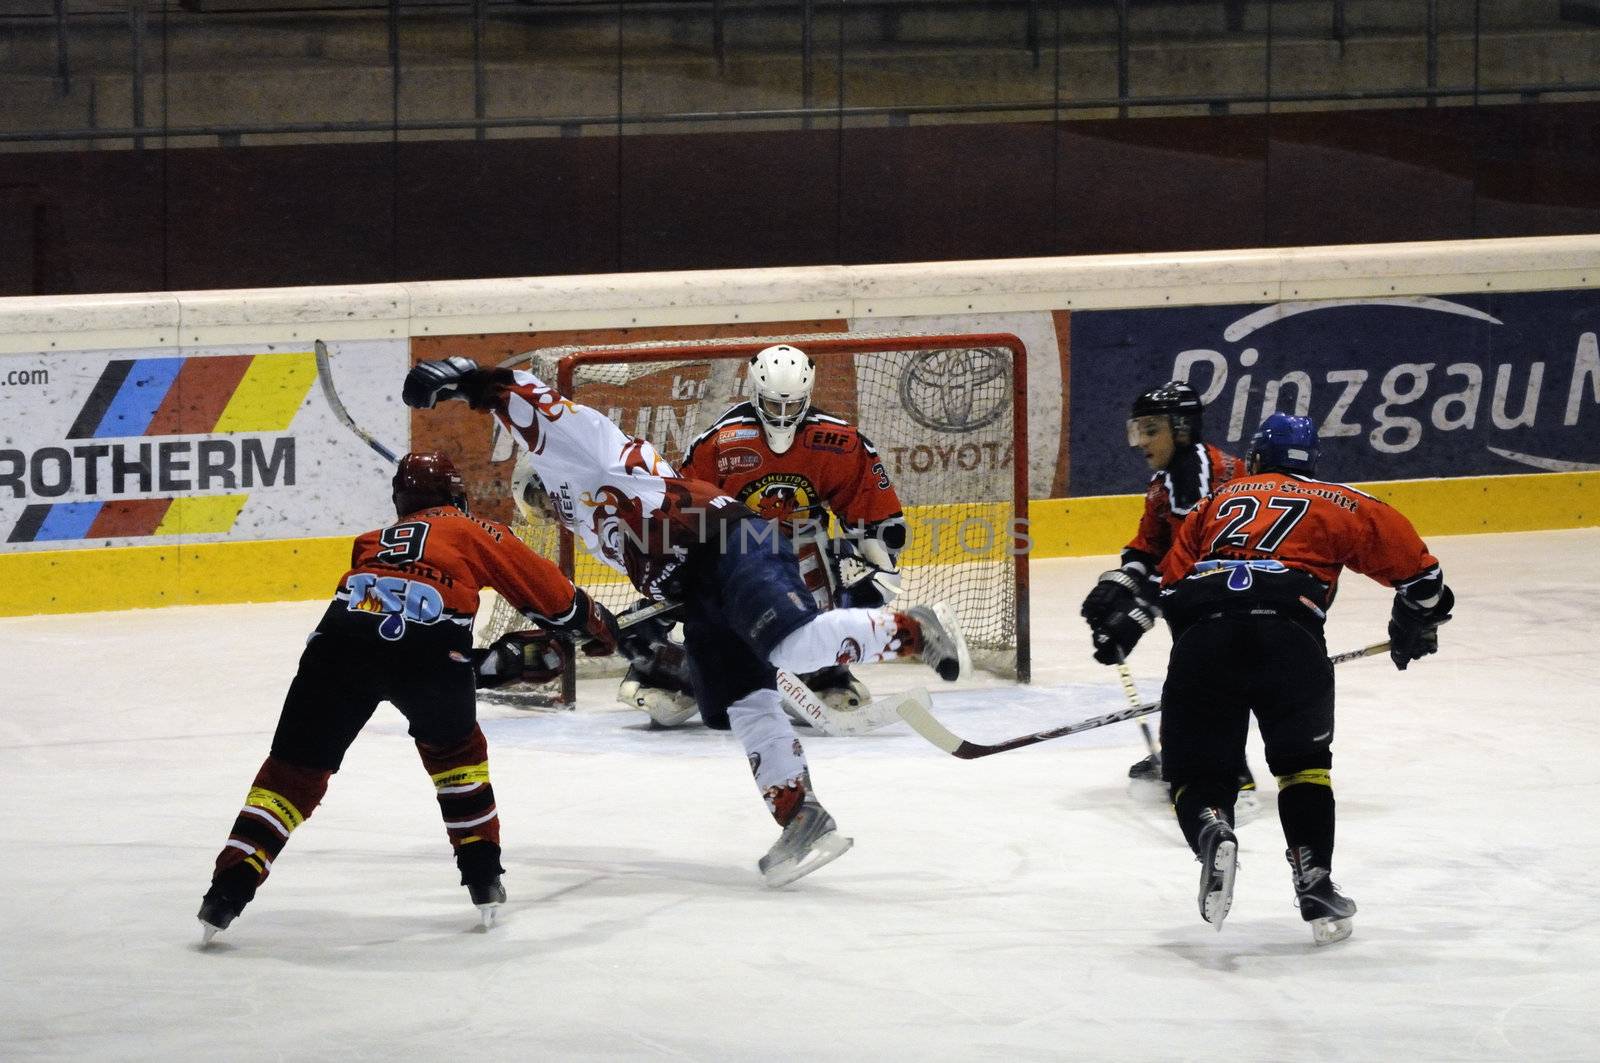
{"x": 684, "y": 540}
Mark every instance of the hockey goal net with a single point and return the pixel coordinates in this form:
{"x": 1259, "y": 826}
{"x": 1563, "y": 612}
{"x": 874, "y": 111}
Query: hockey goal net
{"x": 946, "y": 413}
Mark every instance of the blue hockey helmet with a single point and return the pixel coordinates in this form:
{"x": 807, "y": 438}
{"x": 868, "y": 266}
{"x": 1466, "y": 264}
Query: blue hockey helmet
{"x": 1285, "y": 443}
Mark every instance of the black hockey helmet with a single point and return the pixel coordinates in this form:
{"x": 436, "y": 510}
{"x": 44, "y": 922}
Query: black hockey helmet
{"x": 423, "y": 481}
{"x": 1178, "y": 403}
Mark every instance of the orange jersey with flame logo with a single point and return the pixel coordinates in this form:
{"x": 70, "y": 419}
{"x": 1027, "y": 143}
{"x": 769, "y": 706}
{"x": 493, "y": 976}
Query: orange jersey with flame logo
{"x": 831, "y": 464}
{"x": 443, "y": 557}
{"x": 1303, "y": 524}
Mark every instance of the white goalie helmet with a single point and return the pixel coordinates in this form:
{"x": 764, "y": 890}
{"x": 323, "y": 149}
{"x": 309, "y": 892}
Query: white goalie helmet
{"x": 528, "y": 491}
{"x": 781, "y": 377}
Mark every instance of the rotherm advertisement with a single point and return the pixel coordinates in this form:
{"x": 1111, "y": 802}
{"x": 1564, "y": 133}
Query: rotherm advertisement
{"x": 1399, "y": 388}
{"x": 141, "y": 447}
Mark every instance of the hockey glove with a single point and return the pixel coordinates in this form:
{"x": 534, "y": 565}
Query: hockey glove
{"x": 1414, "y": 629}
{"x": 518, "y": 657}
{"x": 1127, "y": 617}
{"x": 638, "y": 641}
{"x": 1109, "y": 593}
{"x": 430, "y": 382}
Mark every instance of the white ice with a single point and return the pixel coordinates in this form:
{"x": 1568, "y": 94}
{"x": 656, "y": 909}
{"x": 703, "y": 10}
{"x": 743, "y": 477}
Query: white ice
{"x": 1023, "y": 906}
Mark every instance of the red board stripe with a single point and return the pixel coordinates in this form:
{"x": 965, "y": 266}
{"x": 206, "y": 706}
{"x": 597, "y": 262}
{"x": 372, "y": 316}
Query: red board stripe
{"x": 199, "y": 395}
{"x": 128, "y": 517}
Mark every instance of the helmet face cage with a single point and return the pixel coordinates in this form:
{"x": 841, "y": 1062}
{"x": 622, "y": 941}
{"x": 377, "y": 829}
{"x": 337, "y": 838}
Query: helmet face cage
{"x": 425, "y": 481}
{"x": 1285, "y": 443}
{"x": 1178, "y": 403}
{"x": 781, "y": 378}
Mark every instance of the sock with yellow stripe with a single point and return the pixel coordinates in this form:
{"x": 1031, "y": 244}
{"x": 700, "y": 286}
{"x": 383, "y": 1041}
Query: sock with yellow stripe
{"x": 460, "y": 775}
{"x": 281, "y": 798}
{"x": 1306, "y": 810}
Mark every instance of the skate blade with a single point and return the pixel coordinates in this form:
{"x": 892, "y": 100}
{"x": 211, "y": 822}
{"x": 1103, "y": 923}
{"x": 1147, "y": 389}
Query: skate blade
{"x": 488, "y": 917}
{"x": 1327, "y": 930}
{"x": 1218, "y": 902}
{"x": 825, "y": 850}
{"x": 207, "y": 932}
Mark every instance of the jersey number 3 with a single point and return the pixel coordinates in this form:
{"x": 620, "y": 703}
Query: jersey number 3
{"x": 1240, "y": 511}
{"x": 403, "y": 542}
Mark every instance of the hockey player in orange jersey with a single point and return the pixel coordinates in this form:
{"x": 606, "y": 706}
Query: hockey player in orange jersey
{"x": 796, "y": 464}
{"x": 1246, "y": 588}
{"x": 1166, "y": 426}
{"x": 400, "y": 630}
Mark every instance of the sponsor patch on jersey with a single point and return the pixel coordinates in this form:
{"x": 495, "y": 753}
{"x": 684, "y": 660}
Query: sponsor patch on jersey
{"x": 738, "y": 459}
{"x": 849, "y": 652}
{"x": 737, "y": 433}
{"x": 397, "y": 600}
{"x": 832, "y": 440}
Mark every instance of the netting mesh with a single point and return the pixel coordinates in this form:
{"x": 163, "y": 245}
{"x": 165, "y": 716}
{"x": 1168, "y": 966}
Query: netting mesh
{"x": 939, "y": 410}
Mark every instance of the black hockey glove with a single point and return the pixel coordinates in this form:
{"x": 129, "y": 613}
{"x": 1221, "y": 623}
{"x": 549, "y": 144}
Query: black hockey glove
{"x": 1127, "y": 617}
{"x": 518, "y": 657}
{"x": 1414, "y": 629}
{"x": 638, "y": 641}
{"x": 1109, "y": 593}
{"x": 588, "y": 623}
{"x": 430, "y": 382}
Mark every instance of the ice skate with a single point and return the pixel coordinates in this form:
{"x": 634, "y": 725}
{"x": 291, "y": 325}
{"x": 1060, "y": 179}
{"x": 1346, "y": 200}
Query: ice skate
{"x": 1219, "y": 860}
{"x": 230, "y": 891}
{"x": 1145, "y": 781}
{"x": 935, "y": 636}
{"x": 479, "y": 862}
{"x": 809, "y": 841}
{"x": 1321, "y": 904}
{"x": 488, "y": 896}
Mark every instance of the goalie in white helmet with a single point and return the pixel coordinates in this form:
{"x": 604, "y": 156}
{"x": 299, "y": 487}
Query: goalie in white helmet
{"x": 794, "y": 463}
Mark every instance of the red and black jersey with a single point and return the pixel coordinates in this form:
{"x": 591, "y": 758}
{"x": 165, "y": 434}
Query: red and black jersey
{"x": 831, "y": 464}
{"x": 1194, "y": 472}
{"x": 1251, "y": 531}
{"x": 430, "y": 565}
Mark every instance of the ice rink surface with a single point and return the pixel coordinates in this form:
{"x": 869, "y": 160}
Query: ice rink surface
{"x": 1019, "y": 907}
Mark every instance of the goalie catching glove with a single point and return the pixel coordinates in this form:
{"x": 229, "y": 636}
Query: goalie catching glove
{"x": 1120, "y": 615}
{"x": 518, "y": 657}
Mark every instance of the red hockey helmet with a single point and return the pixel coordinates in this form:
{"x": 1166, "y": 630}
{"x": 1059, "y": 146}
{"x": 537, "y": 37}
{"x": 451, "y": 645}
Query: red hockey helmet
{"x": 423, "y": 481}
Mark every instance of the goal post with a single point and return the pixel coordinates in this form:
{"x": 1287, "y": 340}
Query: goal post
{"x": 946, "y": 413}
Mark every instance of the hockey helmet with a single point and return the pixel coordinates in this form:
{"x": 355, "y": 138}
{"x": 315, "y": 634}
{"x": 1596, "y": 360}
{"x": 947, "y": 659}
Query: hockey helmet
{"x": 781, "y": 378}
{"x": 1285, "y": 443}
{"x": 529, "y": 492}
{"x": 1178, "y": 403}
{"x": 423, "y": 481}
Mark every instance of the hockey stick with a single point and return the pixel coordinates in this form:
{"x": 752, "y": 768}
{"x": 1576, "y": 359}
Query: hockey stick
{"x": 325, "y": 375}
{"x": 880, "y": 712}
{"x": 918, "y": 712}
{"x": 1132, "y": 693}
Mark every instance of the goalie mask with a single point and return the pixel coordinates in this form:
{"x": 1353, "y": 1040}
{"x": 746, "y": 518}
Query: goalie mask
{"x": 427, "y": 481}
{"x": 781, "y": 378}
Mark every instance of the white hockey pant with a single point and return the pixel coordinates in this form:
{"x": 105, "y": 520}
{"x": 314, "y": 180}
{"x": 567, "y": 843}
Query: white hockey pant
{"x": 839, "y": 636}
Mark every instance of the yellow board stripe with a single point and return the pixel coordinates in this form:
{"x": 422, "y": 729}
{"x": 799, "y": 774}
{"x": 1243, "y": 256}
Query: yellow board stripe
{"x": 277, "y": 804}
{"x": 272, "y": 390}
{"x": 201, "y": 515}
{"x": 91, "y": 580}
{"x": 1314, "y": 776}
{"x": 466, "y": 775}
